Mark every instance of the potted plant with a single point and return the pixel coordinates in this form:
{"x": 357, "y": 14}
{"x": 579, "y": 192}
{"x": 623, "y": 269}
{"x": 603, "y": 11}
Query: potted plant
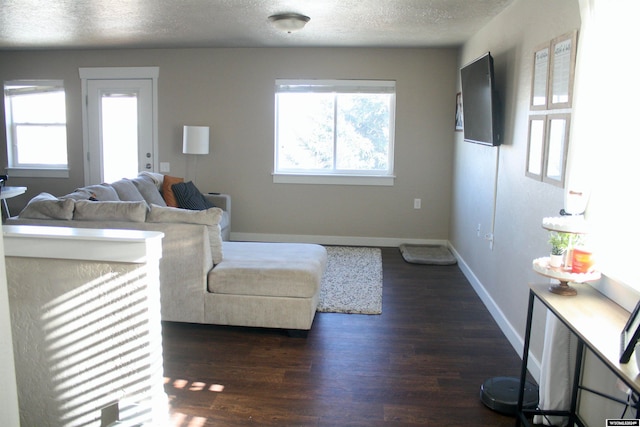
{"x": 559, "y": 243}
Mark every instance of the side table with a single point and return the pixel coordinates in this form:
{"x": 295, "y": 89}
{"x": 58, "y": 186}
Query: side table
{"x": 7, "y": 193}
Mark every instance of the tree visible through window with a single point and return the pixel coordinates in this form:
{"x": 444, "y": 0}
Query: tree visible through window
{"x": 340, "y": 127}
{"x": 36, "y": 124}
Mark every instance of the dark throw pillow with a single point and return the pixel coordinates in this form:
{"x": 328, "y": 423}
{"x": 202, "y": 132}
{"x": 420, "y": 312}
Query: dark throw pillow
{"x": 189, "y": 197}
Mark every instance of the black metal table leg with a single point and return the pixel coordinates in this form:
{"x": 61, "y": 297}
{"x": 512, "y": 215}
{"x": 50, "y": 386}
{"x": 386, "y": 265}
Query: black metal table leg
{"x": 577, "y": 374}
{"x": 525, "y": 359}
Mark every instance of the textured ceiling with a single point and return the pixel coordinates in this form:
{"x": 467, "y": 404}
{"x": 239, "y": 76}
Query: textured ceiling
{"x": 63, "y": 24}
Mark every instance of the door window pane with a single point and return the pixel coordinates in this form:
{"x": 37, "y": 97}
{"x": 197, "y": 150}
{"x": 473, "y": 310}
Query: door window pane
{"x": 119, "y": 136}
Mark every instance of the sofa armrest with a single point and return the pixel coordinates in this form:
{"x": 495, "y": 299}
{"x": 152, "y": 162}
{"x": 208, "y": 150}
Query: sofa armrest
{"x": 222, "y": 201}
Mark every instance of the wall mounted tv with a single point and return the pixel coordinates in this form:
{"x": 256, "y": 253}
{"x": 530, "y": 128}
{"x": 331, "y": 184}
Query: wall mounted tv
{"x": 480, "y": 102}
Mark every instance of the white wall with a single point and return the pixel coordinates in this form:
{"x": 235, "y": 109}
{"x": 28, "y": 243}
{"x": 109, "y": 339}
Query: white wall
{"x": 232, "y": 90}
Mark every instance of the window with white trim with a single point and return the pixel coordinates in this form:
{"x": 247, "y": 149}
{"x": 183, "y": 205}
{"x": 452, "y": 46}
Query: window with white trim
{"x": 605, "y": 151}
{"x": 334, "y": 128}
{"x": 36, "y": 125}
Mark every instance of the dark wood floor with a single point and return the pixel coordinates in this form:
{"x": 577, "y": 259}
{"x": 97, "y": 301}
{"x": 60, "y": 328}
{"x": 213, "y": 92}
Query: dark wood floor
{"x": 420, "y": 363}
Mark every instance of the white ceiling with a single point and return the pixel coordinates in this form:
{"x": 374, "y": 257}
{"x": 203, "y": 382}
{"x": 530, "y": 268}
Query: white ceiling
{"x": 64, "y": 24}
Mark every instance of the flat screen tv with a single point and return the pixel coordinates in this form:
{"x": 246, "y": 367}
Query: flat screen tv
{"x": 480, "y": 102}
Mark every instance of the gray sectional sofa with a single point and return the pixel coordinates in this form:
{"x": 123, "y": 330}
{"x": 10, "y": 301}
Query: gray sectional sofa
{"x": 204, "y": 277}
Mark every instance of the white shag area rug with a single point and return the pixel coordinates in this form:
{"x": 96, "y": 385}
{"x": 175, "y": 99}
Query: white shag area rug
{"x": 352, "y": 282}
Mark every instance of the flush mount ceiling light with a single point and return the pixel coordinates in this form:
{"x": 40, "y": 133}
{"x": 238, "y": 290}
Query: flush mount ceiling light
{"x": 289, "y": 22}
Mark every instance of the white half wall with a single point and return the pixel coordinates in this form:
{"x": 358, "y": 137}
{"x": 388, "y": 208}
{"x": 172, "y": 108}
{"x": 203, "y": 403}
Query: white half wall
{"x": 86, "y": 332}
{"x": 9, "y": 413}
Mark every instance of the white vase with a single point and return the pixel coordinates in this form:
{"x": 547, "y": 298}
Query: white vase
{"x": 556, "y": 260}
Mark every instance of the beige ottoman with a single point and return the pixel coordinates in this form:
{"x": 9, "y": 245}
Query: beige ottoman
{"x": 271, "y": 285}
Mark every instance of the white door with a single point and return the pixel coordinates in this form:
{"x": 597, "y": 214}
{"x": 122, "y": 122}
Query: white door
{"x": 120, "y": 128}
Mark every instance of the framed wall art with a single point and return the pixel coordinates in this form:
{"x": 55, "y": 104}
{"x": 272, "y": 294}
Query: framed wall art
{"x": 459, "y": 119}
{"x": 556, "y": 148}
{"x": 562, "y": 70}
{"x": 630, "y": 335}
{"x": 547, "y": 149}
{"x": 552, "y": 77}
{"x": 540, "y": 78}
{"x": 536, "y": 147}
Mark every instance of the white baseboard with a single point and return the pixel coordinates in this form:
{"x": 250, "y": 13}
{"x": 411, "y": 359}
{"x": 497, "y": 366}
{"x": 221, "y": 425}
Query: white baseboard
{"x": 332, "y": 240}
{"x": 516, "y": 341}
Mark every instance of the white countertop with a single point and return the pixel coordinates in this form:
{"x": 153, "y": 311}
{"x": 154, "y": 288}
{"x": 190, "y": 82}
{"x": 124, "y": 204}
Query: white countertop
{"x": 82, "y": 243}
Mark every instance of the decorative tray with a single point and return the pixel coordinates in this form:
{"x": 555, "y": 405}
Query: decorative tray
{"x": 541, "y": 266}
{"x": 566, "y": 224}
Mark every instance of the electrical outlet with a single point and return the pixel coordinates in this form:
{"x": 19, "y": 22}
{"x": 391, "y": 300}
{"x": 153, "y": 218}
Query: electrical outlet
{"x": 489, "y": 237}
{"x": 110, "y": 415}
{"x": 165, "y": 167}
{"x": 417, "y": 203}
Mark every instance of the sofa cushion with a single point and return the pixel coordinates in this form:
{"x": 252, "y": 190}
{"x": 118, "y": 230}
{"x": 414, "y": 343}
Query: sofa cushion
{"x": 156, "y": 178}
{"x": 47, "y": 206}
{"x": 110, "y": 211}
{"x": 167, "y": 191}
{"x": 148, "y": 190}
{"x": 189, "y": 197}
{"x": 209, "y": 217}
{"x": 102, "y": 192}
{"x": 269, "y": 269}
{"x": 78, "y": 194}
{"x": 127, "y": 191}
{"x": 147, "y": 187}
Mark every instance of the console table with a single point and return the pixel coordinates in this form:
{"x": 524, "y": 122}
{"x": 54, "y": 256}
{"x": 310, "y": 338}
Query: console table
{"x": 597, "y": 322}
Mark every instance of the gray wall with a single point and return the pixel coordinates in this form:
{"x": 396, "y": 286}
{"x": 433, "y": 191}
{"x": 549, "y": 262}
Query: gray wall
{"x": 501, "y": 274}
{"x": 232, "y": 90}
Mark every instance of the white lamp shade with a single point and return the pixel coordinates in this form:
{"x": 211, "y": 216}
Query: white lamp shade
{"x": 195, "y": 140}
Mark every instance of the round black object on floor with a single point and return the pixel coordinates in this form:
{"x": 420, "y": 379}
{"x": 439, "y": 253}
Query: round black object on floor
{"x": 501, "y": 394}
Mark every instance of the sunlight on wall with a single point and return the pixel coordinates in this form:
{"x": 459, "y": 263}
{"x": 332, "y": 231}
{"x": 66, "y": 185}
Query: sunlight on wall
{"x": 93, "y": 338}
{"x": 84, "y": 339}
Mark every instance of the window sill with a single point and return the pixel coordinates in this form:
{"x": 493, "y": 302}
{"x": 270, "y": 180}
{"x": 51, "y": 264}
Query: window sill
{"x": 375, "y": 180}
{"x": 38, "y": 173}
{"x": 617, "y": 290}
